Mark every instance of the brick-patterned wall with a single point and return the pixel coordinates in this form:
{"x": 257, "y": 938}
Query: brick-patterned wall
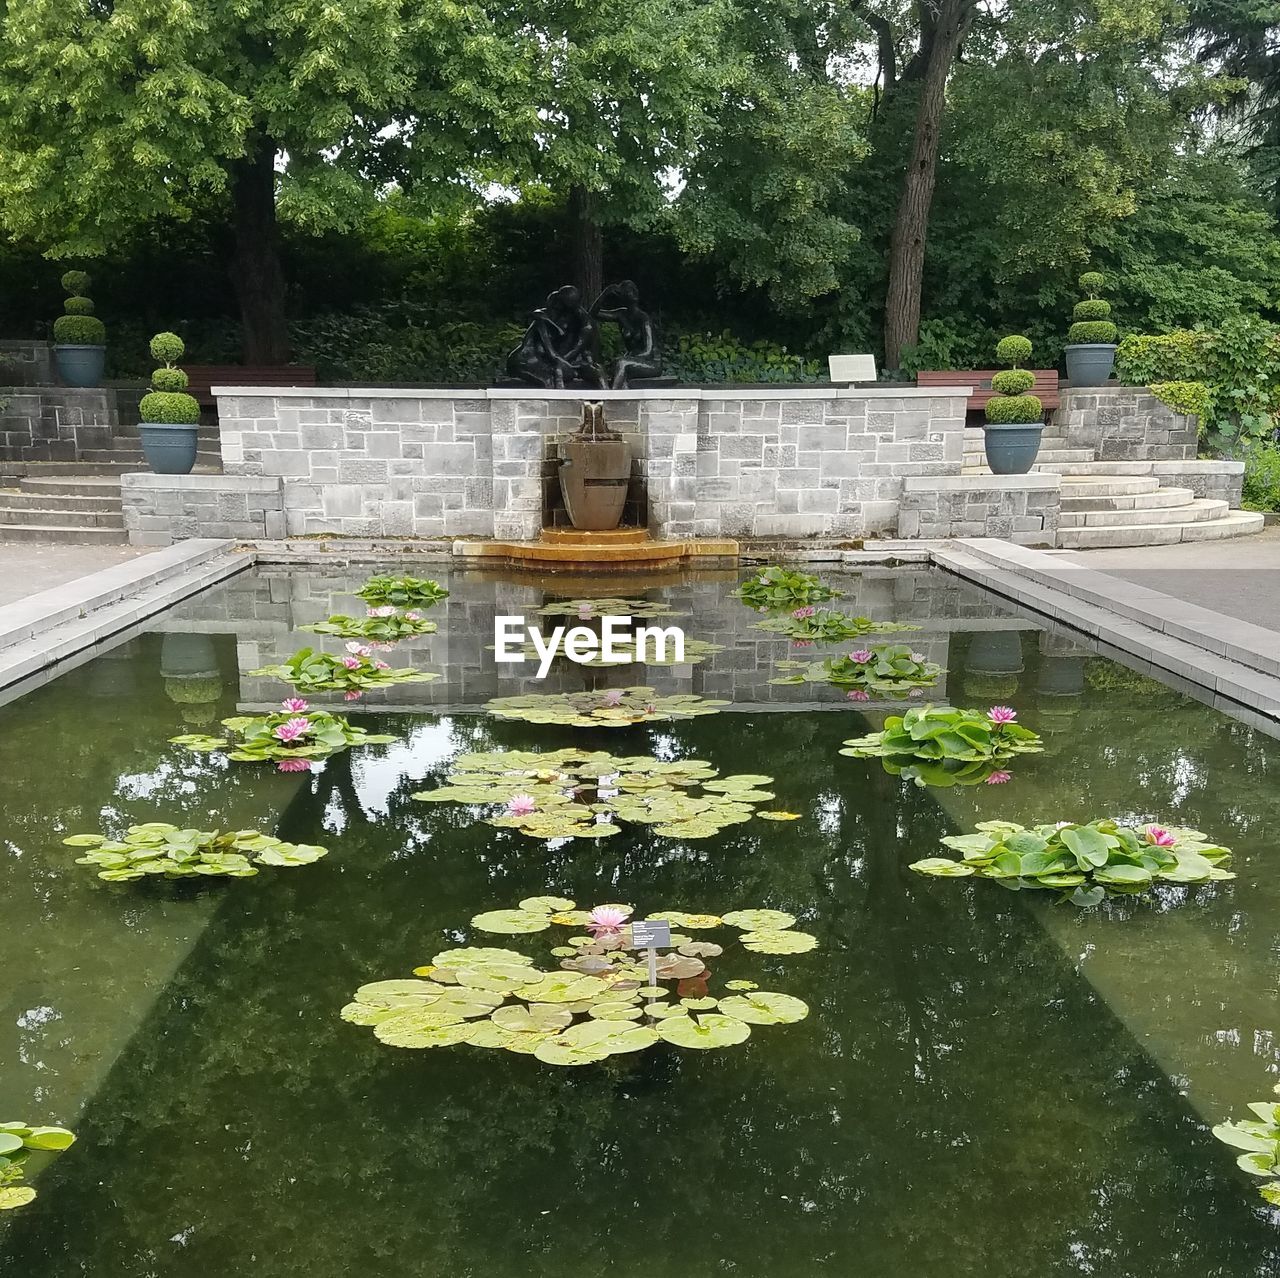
{"x": 26, "y": 363}
{"x": 1019, "y": 508}
{"x": 1123, "y": 423}
{"x": 56, "y": 423}
{"x": 162, "y": 509}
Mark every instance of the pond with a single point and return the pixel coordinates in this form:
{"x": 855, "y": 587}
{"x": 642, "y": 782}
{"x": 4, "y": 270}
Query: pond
{"x": 987, "y": 1083}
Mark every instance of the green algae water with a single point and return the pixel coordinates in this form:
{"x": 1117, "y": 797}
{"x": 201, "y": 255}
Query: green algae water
{"x": 987, "y": 1083}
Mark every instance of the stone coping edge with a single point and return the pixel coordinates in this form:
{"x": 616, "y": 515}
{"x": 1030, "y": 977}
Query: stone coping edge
{"x": 668, "y": 393}
{"x": 56, "y": 624}
{"x": 958, "y": 483}
{"x": 1232, "y": 658}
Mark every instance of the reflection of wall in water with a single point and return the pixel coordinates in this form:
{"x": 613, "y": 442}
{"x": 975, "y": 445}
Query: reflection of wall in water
{"x": 265, "y": 609}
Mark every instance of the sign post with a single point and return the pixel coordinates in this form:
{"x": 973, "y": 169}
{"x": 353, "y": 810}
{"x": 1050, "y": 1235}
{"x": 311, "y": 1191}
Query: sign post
{"x": 651, "y": 935}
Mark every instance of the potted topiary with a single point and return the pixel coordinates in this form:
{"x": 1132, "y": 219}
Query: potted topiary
{"x": 1015, "y": 420}
{"x": 170, "y": 417}
{"x": 79, "y": 337}
{"x": 1091, "y": 350}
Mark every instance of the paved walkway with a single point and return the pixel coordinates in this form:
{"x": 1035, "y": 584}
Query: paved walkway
{"x": 28, "y": 567}
{"x": 1236, "y": 576}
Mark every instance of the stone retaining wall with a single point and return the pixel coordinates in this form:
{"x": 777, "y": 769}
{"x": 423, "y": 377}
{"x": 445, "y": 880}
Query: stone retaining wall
{"x": 1124, "y": 423}
{"x": 793, "y": 462}
{"x": 1018, "y": 508}
{"x": 162, "y": 509}
{"x": 56, "y": 423}
{"x": 26, "y": 363}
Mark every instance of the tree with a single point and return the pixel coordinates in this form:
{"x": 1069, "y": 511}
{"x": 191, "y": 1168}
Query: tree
{"x": 114, "y": 116}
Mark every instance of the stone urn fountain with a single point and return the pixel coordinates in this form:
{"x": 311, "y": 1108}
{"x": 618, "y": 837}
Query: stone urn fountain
{"x": 595, "y": 469}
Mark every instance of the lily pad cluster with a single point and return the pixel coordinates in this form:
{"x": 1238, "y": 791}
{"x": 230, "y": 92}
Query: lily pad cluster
{"x": 382, "y": 625}
{"x": 160, "y": 850}
{"x": 290, "y": 738}
{"x": 587, "y": 794}
{"x": 826, "y": 625}
{"x": 774, "y": 588}
{"x": 358, "y": 671}
{"x": 598, "y": 1003}
{"x": 610, "y": 708}
{"x": 402, "y": 592}
{"x": 939, "y": 745}
{"x": 1259, "y": 1138}
{"x": 1085, "y": 863}
{"x": 17, "y": 1143}
{"x": 590, "y": 609}
{"x": 890, "y": 670}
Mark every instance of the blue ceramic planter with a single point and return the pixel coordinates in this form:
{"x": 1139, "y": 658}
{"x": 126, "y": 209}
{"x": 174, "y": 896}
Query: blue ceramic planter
{"x": 80, "y": 365}
{"x": 1012, "y": 447}
{"x": 1090, "y": 363}
{"x": 169, "y": 450}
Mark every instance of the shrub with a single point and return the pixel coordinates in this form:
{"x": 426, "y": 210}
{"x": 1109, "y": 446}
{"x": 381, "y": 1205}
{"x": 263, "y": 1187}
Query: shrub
{"x": 1262, "y": 478}
{"x": 1010, "y": 404}
{"x": 79, "y": 330}
{"x": 1013, "y": 350}
{"x": 78, "y": 326}
{"x": 169, "y": 404}
{"x": 1013, "y": 381}
{"x": 169, "y": 379}
{"x": 1191, "y": 398}
{"x": 1094, "y": 326}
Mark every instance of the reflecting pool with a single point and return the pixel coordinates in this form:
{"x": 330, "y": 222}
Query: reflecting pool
{"x": 987, "y": 1083}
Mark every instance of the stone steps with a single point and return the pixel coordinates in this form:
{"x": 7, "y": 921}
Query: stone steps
{"x": 1197, "y": 510}
{"x": 1082, "y": 486}
{"x": 52, "y": 499}
{"x": 34, "y": 515}
{"x": 62, "y": 505}
{"x": 70, "y": 534}
{"x": 76, "y": 484}
{"x": 1156, "y": 500}
{"x": 1237, "y": 523}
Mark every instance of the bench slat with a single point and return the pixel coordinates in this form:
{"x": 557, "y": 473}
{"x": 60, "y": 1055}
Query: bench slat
{"x": 1046, "y": 387}
{"x": 203, "y": 377}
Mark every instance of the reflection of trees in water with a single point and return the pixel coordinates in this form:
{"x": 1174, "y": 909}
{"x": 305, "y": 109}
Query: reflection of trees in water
{"x": 957, "y": 1103}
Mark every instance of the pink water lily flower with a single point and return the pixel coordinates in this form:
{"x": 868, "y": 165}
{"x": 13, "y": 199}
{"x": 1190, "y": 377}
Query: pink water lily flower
{"x": 351, "y": 663}
{"x": 584, "y": 611}
{"x": 802, "y": 643}
{"x": 295, "y": 705}
{"x": 358, "y": 649}
{"x": 381, "y": 665}
{"x": 802, "y": 614}
{"x": 917, "y": 656}
{"x": 292, "y": 729}
{"x": 413, "y": 616}
{"x": 613, "y": 697}
{"x": 999, "y": 778}
{"x": 916, "y": 692}
{"x": 858, "y": 694}
{"x": 1159, "y": 837}
{"x": 861, "y": 656}
{"x": 521, "y": 805}
{"x": 606, "y": 919}
{"x": 351, "y": 695}
{"x": 1002, "y": 714}
{"x": 385, "y": 611}
{"x": 293, "y": 765}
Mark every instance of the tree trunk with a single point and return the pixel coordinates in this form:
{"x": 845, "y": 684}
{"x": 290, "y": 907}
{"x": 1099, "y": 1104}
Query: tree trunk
{"x": 256, "y": 272}
{"x": 911, "y": 226}
{"x": 588, "y": 244}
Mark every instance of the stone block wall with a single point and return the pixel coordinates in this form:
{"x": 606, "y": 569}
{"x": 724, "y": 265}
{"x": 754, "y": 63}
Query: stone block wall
{"x": 26, "y": 363}
{"x": 162, "y": 509}
{"x": 1223, "y": 480}
{"x": 1124, "y": 423}
{"x": 1019, "y": 508}
{"x": 56, "y": 423}
{"x": 796, "y": 462}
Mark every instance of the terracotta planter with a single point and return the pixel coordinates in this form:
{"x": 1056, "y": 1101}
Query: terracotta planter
{"x": 595, "y": 469}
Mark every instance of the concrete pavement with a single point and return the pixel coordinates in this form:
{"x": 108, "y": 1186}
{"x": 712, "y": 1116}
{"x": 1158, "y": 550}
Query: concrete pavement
{"x": 28, "y": 567}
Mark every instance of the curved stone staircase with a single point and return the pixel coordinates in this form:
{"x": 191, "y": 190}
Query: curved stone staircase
{"x": 1122, "y": 503}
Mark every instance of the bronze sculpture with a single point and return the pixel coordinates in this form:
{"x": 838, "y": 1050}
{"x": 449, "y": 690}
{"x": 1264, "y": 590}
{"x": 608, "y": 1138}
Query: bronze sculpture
{"x": 560, "y": 345}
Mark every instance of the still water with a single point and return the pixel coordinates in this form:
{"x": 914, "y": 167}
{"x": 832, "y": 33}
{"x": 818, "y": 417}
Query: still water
{"x": 987, "y": 1084}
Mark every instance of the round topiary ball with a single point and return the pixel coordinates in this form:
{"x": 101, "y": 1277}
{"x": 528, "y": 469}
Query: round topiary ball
{"x": 1003, "y": 410}
{"x": 78, "y": 306}
{"x": 167, "y": 347}
{"x": 79, "y": 330}
{"x": 169, "y": 379}
{"x": 76, "y": 282}
{"x": 1094, "y": 309}
{"x": 1013, "y": 381}
{"x": 1013, "y": 350}
{"x": 1092, "y": 282}
{"x": 1092, "y": 331}
{"x": 169, "y": 408}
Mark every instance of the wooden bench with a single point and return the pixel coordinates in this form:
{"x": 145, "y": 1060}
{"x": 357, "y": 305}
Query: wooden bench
{"x": 1046, "y": 387}
{"x": 202, "y": 378}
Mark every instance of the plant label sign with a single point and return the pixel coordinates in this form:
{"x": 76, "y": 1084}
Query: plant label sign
{"x": 651, "y": 934}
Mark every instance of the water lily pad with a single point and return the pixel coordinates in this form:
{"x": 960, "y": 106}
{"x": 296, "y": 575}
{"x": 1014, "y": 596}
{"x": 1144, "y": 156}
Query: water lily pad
{"x": 695, "y": 922}
{"x": 779, "y": 816}
{"x": 741, "y": 985}
{"x": 537, "y": 1018}
{"x": 760, "y": 920}
{"x": 571, "y": 918}
{"x": 15, "y": 1196}
{"x": 652, "y": 991}
{"x": 674, "y": 967}
{"x": 773, "y": 942}
{"x": 614, "y": 1011}
{"x": 511, "y": 921}
{"x": 547, "y": 904}
{"x": 704, "y": 1032}
{"x": 406, "y": 1035}
{"x": 561, "y": 987}
{"x": 497, "y": 978}
{"x": 765, "y": 1008}
{"x": 699, "y": 1004}
{"x": 700, "y": 949}
{"x": 943, "y": 867}
{"x": 479, "y": 956}
{"x": 381, "y": 993}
